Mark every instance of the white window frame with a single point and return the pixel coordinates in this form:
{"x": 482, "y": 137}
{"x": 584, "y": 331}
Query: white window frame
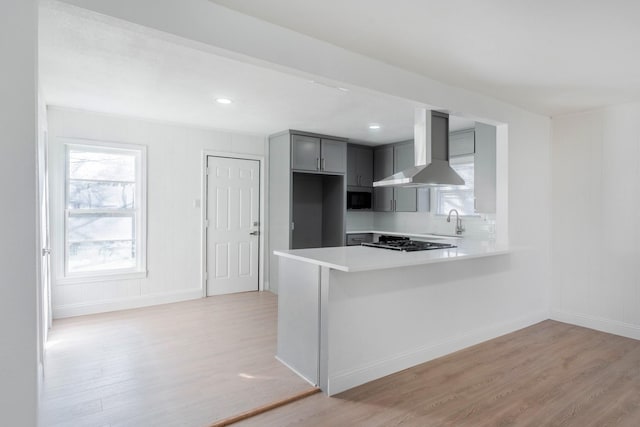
{"x": 140, "y": 210}
{"x": 435, "y": 196}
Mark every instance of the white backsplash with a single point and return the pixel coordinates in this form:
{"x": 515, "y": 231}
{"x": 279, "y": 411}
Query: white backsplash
{"x": 480, "y": 227}
{"x": 360, "y": 220}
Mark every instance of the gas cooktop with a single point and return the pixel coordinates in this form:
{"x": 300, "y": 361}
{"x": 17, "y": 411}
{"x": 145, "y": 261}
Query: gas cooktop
{"x": 406, "y": 245}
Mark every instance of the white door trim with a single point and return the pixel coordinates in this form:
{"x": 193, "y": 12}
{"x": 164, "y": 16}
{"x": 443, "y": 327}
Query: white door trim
{"x": 203, "y": 214}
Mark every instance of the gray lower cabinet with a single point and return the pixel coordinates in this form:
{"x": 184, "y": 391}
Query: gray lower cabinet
{"x": 355, "y": 239}
{"x": 388, "y": 160}
{"x": 310, "y": 153}
{"x": 359, "y": 166}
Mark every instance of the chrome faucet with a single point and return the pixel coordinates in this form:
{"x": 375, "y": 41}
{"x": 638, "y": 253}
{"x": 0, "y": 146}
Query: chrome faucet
{"x": 459, "y": 227}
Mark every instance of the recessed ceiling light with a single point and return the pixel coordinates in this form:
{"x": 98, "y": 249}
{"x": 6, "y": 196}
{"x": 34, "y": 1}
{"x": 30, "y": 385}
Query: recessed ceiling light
{"x": 374, "y": 126}
{"x": 223, "y": 101}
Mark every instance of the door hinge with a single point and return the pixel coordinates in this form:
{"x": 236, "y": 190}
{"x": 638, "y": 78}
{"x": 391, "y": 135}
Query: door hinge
{"x": 206, "y": 223}
{"x": 206, "y": 276}
{"x": 206, "y": 171}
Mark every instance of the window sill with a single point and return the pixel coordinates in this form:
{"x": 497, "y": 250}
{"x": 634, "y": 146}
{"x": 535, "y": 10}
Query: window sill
{"x": 103, "y": 277}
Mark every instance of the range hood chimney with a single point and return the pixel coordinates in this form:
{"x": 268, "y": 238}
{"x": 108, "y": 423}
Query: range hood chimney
{"x": 431, "y": 149}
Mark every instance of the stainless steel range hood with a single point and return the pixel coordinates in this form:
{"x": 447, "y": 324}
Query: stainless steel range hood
{"x": 431, "y": 148}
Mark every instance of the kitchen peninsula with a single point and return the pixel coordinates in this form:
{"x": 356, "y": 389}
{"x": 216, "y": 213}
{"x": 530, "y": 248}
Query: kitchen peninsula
{"x": 349, "y": 315}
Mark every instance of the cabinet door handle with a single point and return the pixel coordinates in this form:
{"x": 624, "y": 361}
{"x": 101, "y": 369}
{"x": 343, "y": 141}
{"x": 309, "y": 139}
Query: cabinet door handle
{"x": 317, "y": 163}
{"x": 322, "y": 163}
{"x": 391, "y": 205}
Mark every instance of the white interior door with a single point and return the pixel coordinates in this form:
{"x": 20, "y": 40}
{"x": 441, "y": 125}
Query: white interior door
{"x": 44, "y": 300}
{"x": 233, "y": 224}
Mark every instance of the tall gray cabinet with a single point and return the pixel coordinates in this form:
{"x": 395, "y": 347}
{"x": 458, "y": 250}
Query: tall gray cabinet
{"x": 307, "y": 189}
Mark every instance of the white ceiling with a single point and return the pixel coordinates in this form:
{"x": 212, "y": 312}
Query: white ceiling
{"x": 548, "y": 56}
{"x": 96, "y": 63}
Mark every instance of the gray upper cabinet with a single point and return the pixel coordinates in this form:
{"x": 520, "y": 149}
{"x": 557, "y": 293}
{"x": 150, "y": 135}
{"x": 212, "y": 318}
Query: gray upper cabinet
{"x": 333, "y": 156}
{"x": 405, "y": 198}
{"x": 485, "y": 168}
{"x": 382, "y": 162}
{"x": 365, "y": 167}
{"x": 359, "y": 166}
{"x": 382, "y": 168}
{"x": 305, "y": 153}
{"x": 383, "y": 199}
{"x": 309, "y": 153}
{"x": 352, "y": 167}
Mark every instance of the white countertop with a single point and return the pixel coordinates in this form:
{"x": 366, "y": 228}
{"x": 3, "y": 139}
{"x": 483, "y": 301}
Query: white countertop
{"x": 363, "y": 258}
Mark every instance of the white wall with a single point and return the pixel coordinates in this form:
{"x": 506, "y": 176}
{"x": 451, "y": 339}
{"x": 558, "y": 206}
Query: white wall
{"x": 359, "y": 220}
{"x": 18, "y": 238}
{"x": 174, "y": 159}
{"x": 596, "y": 200}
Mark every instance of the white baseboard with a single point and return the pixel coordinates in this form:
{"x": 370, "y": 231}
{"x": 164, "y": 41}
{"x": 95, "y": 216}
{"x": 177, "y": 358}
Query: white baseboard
{"x": 615, "y": 327}
{"x": 72, "y": 310}
{"x": 345, "y": 380}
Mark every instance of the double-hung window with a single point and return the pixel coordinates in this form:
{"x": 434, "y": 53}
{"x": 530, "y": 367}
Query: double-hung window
{"x": 105, "y": 228}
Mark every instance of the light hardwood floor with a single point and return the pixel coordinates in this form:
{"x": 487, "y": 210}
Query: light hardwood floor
{"x": 550, "y": 374}
{"x": 182, "y": 364}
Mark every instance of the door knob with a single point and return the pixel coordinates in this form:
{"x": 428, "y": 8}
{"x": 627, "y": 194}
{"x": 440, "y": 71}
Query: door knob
{"x": 254, "y": 233}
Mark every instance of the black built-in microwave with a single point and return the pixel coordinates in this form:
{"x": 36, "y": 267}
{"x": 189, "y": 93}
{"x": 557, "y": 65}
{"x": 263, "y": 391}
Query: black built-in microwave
{"x": 359, "y": 199}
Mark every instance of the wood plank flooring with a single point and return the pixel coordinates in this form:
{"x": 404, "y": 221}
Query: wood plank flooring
{"x": 550, "y": 374}
{"x": 184, "y": 364}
